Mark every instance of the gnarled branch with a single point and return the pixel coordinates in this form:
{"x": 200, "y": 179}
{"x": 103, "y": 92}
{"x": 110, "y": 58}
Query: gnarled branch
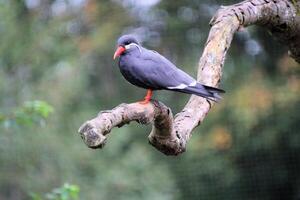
{"x": 170, "y": 135}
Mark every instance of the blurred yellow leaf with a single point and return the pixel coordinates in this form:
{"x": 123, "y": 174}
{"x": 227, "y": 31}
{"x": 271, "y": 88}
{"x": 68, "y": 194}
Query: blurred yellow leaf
{"x": 221, "y": 138}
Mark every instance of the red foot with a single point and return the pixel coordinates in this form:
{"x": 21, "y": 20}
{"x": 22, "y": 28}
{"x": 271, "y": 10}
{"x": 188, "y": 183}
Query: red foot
{"x": 147, "y": 98}
{"x": 144, "y": 102}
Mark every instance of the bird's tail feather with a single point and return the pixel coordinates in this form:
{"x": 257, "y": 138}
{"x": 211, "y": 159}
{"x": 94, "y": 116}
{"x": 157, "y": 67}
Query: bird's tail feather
{"x": 207, "y": 92}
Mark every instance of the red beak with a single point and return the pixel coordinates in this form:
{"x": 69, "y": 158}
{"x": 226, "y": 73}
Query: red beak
{"x": 119, "y": 51}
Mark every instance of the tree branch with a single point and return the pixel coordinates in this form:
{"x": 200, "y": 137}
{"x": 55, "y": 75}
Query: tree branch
{"x": 280, "y": 17}
{"x": 169, "y": 135}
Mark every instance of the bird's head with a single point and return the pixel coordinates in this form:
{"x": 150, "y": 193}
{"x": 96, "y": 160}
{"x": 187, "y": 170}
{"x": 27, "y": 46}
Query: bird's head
{"x": 124, "y": 43}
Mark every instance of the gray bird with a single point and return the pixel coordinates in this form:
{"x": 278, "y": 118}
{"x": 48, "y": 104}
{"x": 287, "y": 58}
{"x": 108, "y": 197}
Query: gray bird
{"x": 150, "y": 70}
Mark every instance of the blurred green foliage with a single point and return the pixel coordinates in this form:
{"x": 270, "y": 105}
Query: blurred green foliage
{"x": 32, "y": 112}
{"x": 66, "y": 192}
{"x": 61, "y": 51}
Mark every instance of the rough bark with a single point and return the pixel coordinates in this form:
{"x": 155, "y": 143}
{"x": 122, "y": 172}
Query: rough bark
{"x": 170, "y": 135}
{"x": 280, "y": 17}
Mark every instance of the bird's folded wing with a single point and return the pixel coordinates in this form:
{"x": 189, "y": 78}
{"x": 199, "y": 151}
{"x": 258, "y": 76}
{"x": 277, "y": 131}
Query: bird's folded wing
{"x": 160, "y": 73}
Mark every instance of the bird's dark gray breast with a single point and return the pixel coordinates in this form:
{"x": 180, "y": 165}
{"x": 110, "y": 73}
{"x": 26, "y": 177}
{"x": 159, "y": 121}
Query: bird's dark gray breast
{"x": 129, "y": 67}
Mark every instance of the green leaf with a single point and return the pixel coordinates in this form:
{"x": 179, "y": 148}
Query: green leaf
{"x": 32, "y": 112}
{"x": 66, "y": 192}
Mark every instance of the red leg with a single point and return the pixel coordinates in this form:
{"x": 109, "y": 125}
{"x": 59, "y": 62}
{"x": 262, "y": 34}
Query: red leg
{"x": 147, "y": 97}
